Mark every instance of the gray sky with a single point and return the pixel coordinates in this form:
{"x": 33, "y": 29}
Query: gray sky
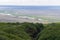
{"x": 29, "y": 2}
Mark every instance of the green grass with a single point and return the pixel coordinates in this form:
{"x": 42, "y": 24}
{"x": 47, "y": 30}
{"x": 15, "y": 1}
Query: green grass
{"x": 29, "y": 31}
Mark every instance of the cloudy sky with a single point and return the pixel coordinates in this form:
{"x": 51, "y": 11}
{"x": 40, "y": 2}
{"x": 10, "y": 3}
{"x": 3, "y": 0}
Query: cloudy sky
{"x": 29, "y": 2}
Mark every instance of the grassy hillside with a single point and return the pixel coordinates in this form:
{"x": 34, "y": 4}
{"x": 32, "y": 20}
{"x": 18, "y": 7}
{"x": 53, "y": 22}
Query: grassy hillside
{"x": 51, "y": 32}
{"x": 29, "y": 31}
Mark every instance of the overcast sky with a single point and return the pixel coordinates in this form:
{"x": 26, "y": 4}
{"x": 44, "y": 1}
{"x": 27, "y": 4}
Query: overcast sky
{"x": 29, "y": 2}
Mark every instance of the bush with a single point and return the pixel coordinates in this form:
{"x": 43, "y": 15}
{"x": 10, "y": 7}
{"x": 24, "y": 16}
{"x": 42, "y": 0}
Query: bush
{"x": 50, "y": 33}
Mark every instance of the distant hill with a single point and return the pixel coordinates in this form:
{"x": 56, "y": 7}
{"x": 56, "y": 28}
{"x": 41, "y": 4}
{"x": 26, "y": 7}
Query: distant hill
{"x": 46, "y": 13}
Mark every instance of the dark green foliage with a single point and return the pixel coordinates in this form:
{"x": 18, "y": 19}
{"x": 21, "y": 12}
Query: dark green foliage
{"x": 13, "y": 31}
{"x": 29, "y": 31}
{"x": 33, "y": 29}
{"x": 51, "y": 32}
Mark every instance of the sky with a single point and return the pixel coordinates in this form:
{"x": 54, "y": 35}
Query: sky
{"x": 30, "y": 2}
{"x": 44, "y": 6}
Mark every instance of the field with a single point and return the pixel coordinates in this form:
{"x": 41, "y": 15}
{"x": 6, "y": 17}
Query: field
{"x": 29, "y": 31}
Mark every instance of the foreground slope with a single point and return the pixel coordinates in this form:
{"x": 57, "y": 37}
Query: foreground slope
{"x": 51, "y": 32}
{"x": 29, "y": 31}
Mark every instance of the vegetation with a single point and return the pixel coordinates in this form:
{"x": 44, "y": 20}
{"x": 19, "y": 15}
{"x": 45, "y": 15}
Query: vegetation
{"x": 29, "y": 31}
